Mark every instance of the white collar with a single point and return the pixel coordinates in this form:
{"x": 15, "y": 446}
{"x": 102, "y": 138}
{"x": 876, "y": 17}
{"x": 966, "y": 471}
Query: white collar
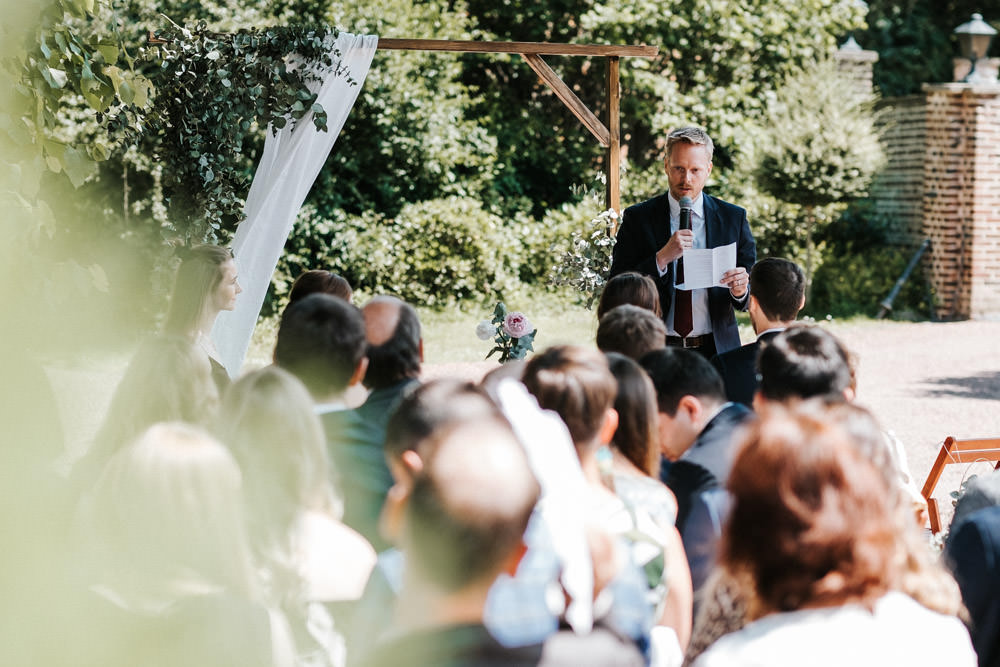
{"x": 697, "y": 206}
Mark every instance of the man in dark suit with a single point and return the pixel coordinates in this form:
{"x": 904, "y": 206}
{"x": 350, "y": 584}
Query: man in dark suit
{"x": 651, "y": 241}
{"x": 777, "y": 294}
{"x": 330, "y": 345}
{"x": 696, "y": 428}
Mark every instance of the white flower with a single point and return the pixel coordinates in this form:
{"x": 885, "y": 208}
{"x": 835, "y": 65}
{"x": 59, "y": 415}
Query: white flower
{"x": 485, "y": 330}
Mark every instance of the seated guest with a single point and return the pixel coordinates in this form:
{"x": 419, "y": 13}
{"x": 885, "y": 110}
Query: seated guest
{"x": 578, "y": 385}
{"x": 206, "y": 285}
{"x": 777, "y": 294}
{"x": 633, "y": 473}
{"x": 631, "y": 288}
{"x": 322, "y": 340}
{"x": 632, "y": 331}
{"x": 168, "y": 379}
{"x": 813, "y": 532}
{"x": 807, "y": 361}
{"x": 268, "y": 422}
{"x": 462, "y": 527}
{"x": 973, "y": 554}
{"x": 175, "y": 582}
{"x": 697, "y": 429}
{"x": 724, "y": 607}
{"x": 320, "y": 282}
{"x": 802, "y": 362}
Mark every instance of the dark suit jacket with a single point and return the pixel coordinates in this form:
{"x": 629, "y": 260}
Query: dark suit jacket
{"x": 706, "y": 465}
{"x": 355, "y": 440}
{"x": 738, "y": 369}
{"x": 646, "y": 228}
{"x": 973, "y": 553}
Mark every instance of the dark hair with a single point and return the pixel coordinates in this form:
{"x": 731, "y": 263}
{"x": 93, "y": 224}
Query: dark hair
{"x": 779, "y": 286}
{"x": 464, "y": 518}
{"x": 431, "y": 407}
{"x": 630, "y": 287}
{"x": 321, "y": 340}
{"x": 576, "y": 383}
{"x": 812, "y": 520}
{"x": 677, "y": 373}
{"x": 322, "y": 282}
{"x": 802, "y": 362}
{"x": 398, "y": 358}
{"x": 198, "y": 275}
{"x": 631, "y": 330}
{"x": 636, "y": 436}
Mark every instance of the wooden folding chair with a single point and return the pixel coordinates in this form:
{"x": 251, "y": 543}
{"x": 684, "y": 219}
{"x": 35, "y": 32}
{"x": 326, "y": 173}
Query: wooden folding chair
{"x": 957, "y": 451}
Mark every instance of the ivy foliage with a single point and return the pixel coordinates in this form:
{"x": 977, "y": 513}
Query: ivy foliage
{"x": 213, "y": 91}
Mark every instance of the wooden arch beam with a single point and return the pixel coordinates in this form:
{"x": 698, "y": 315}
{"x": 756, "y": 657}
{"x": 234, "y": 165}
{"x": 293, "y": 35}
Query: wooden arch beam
{"x": 608, "y": 135}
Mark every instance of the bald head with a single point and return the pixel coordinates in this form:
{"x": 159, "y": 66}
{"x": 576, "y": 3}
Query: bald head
{"x": 470, "y": 506}
{"x": 381, "y": 318}
{"x": 392, "y": 329}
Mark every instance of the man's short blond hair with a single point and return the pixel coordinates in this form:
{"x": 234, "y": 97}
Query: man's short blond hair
{"x": 690, "y": 135}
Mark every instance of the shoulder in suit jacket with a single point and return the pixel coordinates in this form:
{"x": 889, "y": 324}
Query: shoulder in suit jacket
{"x": 646, "y": 228}
{"x": 738, "y": 369}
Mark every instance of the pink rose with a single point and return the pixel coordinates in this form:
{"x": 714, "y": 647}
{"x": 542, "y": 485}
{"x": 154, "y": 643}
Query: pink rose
{"x": 517, "y": 325}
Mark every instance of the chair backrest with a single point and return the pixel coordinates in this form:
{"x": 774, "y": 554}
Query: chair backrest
{"x": 956, "y": 451}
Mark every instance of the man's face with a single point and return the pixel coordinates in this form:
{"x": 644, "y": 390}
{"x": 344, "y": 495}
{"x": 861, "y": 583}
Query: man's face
{"x": 676, "y": 434}
{"x": 688, "y": 168}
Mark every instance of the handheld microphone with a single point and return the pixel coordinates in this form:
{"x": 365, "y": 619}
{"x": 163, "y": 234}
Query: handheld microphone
{"x": 685, "y": 216}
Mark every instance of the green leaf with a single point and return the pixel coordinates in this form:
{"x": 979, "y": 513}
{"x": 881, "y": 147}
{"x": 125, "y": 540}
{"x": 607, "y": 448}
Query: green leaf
{"x": 78, "y": 166}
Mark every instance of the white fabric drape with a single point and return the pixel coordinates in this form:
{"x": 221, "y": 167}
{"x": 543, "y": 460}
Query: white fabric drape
{"x": 288, "y": 167}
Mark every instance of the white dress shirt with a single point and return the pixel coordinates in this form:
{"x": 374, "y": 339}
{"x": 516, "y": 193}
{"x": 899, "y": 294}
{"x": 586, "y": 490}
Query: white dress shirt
{"x": 700, "y": 319}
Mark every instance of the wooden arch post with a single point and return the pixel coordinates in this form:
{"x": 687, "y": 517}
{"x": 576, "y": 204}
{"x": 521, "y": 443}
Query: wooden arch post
{"x": 609, "y": 136}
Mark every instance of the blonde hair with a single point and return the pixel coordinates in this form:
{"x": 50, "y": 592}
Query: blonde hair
{"x": 268, "y": 421}
{"x": 169, "y": 508}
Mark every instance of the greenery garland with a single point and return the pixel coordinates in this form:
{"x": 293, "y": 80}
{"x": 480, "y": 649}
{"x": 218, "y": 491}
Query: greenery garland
{"x": 213, "y": 92}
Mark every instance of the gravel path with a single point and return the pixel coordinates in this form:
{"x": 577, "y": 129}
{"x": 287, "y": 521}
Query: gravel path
{"x": 924, "y": 381}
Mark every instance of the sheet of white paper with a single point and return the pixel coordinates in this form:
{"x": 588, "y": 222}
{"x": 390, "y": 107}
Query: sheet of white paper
{"x": 704, "y": 268}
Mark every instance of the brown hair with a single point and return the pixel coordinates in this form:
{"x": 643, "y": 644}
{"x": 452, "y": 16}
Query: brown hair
{"x": 320, "y": 281}
{"x": 199, "y": 273}
{"x": 632, "y": 288}
{"x": 636, "y": 435}
{"x": 632, "y": 331}
{"x": 812, "y": 521}
{"x": 577, "y": 384}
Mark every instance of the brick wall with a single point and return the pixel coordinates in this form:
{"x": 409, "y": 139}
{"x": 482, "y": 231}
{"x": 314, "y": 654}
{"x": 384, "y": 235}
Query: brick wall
{"x": 942, "y": 181}
{"x": 898, "y": 191}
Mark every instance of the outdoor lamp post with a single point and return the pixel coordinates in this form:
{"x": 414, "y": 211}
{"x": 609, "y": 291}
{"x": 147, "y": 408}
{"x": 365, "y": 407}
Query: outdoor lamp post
{"x": 974, "y": 39}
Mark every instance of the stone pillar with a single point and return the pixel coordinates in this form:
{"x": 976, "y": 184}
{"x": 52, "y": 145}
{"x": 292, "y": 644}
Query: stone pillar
{"x": 961, "y": 198}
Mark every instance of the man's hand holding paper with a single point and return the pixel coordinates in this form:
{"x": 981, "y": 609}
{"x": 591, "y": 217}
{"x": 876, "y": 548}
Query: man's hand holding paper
{"x": 714, "y": 267}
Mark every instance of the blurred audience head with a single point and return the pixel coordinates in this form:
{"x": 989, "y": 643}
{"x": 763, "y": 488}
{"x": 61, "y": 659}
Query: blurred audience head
{"x": 629, "y": 288}
{"x": 321, "y": 340}
{"x": 395, "y": 348}
{"x": 268, "y": 422}
{"x": 813, "y": 522}
{"x": 576, "y": 383}
{"x": 636, "y": 436}
{"x": 803, "y": 362}
{"x": 632, "y": 331}
{"x": 169, "y": 509}
{"x": 433, "y": 406}
{"x": 319, "y": 281}
{"x": 469, "y": 507}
